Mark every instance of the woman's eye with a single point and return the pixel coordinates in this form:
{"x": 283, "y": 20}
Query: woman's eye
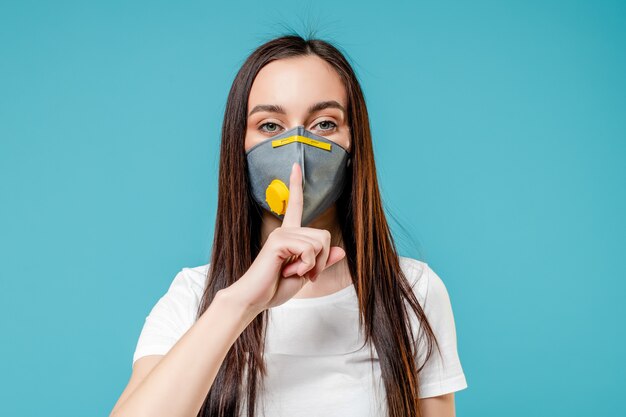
{"x": 324, "y": 123}
{"x": 273, "y": 127}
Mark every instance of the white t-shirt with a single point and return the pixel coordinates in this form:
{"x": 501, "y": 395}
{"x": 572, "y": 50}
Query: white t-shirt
{"x": 316, "y": 358}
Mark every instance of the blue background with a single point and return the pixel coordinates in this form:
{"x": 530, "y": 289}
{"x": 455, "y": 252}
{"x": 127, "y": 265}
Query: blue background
{"x": 499, "y": 132}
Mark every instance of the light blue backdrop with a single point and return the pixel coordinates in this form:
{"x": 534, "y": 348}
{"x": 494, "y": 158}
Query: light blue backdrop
{"x": 499, "y": 131}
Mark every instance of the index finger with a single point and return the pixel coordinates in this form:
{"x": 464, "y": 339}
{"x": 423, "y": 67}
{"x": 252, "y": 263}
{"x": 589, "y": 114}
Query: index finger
{"x": 293, "y": 211}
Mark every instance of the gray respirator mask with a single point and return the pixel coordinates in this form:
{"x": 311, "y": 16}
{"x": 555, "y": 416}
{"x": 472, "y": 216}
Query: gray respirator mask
{"x": 323, "y": 162}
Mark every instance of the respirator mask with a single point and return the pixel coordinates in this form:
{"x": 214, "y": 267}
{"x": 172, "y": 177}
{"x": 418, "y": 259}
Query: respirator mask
{"x": 323, "y": 162}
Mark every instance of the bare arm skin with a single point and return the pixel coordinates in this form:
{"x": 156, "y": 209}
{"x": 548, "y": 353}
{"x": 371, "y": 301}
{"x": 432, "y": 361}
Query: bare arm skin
{"x": 440, "y": 406}
{"x": 156, "y": 385}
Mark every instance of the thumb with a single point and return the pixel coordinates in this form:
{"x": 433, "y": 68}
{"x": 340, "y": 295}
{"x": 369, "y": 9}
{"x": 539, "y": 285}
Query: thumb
{"x": 335, "y": 255}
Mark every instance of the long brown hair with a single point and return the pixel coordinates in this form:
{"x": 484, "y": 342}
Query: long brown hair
{"x": 371, "y": 253}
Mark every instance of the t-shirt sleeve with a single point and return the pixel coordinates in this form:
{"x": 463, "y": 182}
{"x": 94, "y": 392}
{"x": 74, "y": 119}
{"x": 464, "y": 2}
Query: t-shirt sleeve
{"x": 171, "y": 316}
{"x": 442, "y": 374}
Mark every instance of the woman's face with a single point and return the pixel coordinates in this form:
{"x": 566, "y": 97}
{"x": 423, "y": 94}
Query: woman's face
{"x": 298, "y": 91}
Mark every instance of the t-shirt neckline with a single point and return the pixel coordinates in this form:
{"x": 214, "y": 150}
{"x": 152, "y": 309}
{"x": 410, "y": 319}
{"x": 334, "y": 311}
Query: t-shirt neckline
{"x": 324, "y": 299}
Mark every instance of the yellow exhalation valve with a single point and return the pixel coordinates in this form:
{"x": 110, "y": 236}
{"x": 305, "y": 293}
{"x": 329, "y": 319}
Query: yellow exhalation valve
{"x": 277, "y": 196}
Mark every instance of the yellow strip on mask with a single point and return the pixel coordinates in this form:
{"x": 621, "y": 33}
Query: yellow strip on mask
{"x": 302, "y": 139}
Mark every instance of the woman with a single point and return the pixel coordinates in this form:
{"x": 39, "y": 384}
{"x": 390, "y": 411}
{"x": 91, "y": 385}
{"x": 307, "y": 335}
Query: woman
{"x": 306, "y": 308}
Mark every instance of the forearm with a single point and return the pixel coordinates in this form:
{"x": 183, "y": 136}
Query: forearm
{"x": 179, "y": 383}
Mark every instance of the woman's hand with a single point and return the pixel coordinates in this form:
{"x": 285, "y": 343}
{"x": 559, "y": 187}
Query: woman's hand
{"x": 290, "y": 256}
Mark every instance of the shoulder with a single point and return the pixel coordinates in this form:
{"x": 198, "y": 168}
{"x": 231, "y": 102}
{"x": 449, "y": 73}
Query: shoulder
{"x": 193, "y": 278}
{"x": 187, "y": 287}
{"x": 173, "y": 313}
{"x": 418, "y": 274}
{"x": 429, "y": 289}
{"x": 179, "y": 304}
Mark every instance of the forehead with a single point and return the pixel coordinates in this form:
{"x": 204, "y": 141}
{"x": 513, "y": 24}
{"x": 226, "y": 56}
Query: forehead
{"x": 297, "y": 82}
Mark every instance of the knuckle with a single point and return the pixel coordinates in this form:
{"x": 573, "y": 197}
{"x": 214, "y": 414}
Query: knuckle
{"x": 272, "y": 237}
{"x": 311, "y": 252}
{"x": 326, "y": 235}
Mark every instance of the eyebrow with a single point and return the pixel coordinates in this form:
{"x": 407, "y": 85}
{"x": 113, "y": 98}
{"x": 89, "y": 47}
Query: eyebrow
{"x": 275, "y": 108}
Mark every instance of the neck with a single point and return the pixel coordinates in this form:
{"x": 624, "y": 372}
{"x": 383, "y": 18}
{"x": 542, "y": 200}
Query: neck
{"x": 327, "y": 220}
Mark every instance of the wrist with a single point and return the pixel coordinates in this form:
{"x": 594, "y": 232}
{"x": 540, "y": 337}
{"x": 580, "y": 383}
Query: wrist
{"x": 231, "y": 298}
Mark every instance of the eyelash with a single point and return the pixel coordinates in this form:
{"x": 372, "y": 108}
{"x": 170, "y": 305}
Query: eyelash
{"x": 275, "y": 132}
